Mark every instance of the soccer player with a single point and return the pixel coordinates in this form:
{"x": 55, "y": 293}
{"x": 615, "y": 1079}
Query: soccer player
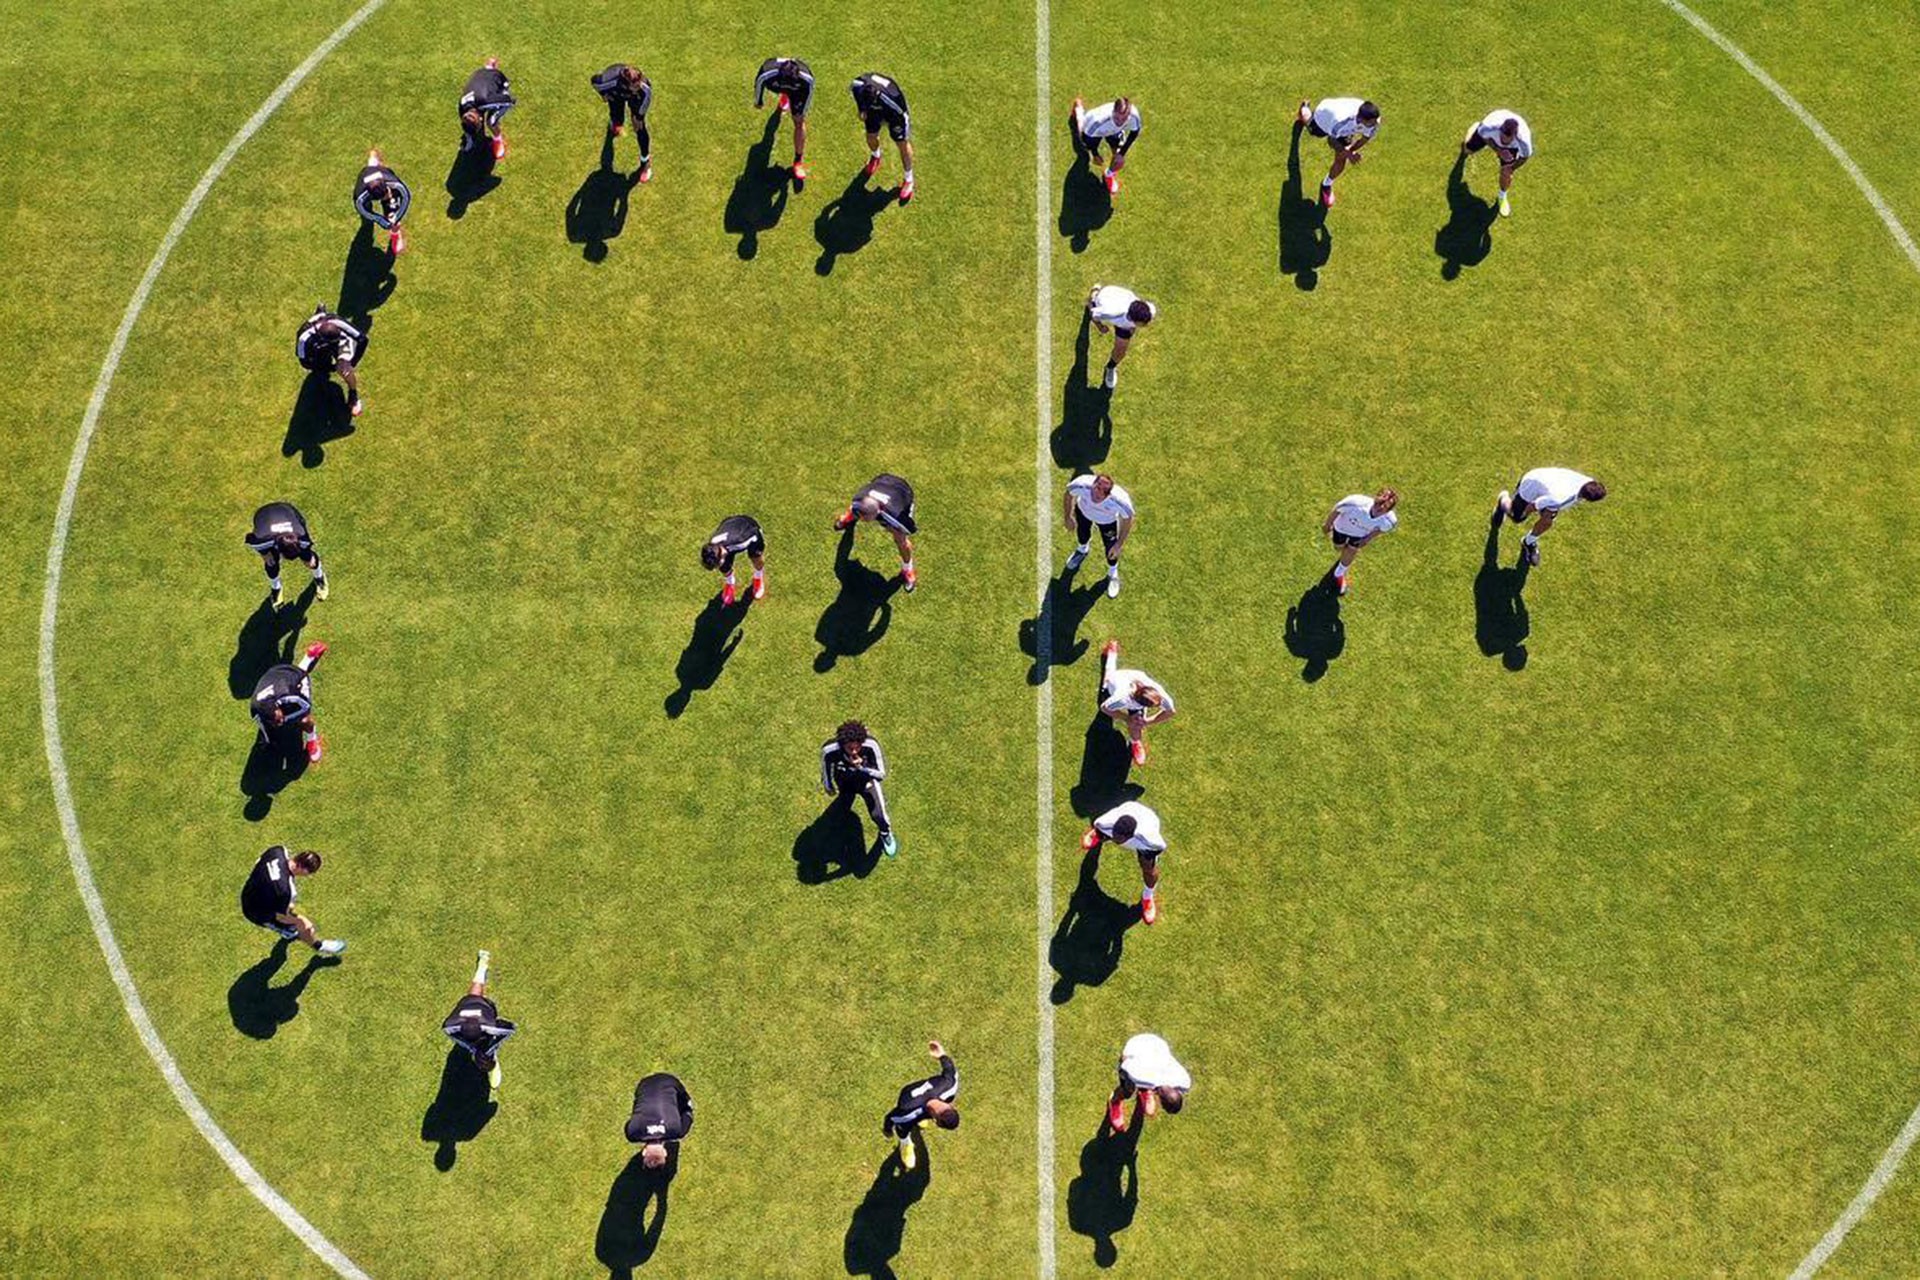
{"x": 736, "y": 534}
{"x": 267, "y": 898}
{"x": 792, "y": 79}
{"x": 1132, "y": 697}
{"x": 486, "y": 98}
{"x": 1095, "y": 500}
{"x": 1132, "y": 825}
{"x": 1111, "y": 307}
{"x": 1512, "y": 142}
{"x": 284, "y": 696}
{"x": 383, "y": 200}
{"x": 1549, "y": 491}
{"x": 326, "y": 345}
{"x": 889, "y": 500}
{"x": 280, "y": 533}
{"x": 1115, "y": 123}
{"x": 851, "y": 764}
{"x": 1355, "y": 521}
{"x": 476, "y": 1026}
{"x": 627, "y": 92}
{"x": 923, "y": 1100}
{"x": 1150, "y": 1072}
{"x": 881, "y": 100}
{"x": 662, "y": 1117}
{"x": 1348, "y": 124}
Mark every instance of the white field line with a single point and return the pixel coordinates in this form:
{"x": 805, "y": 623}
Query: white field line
{"x": 1043, "y": 627}
{"x": 1889, "y": 1165}
{"x": 77, "y": 858}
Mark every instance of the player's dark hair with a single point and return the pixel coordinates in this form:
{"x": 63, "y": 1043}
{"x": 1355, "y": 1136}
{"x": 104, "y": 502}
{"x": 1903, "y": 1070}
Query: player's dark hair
{"x": 1139, "y": 311}
{"x": 1124, "y": 826}
{"x": 948, "y": 1118}
{"x": 1173, "y": 1099}
{"x": 307, "y": 860}
{"x": 1593, "y": 491}
{"x": 1509, "y": 126}
{"x": 1369, "y": 112}
{"x": 630, "y": 74}
{"x": 850, "y": 734}
{"x": 710, "y": 555}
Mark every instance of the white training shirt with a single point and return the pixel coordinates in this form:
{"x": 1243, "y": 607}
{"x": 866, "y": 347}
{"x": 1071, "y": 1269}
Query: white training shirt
{"x": 1109, "y": 306}
{"x": 1116, "y": 506}
{"x": 1552, "y": 488}
{"x": 1097, "y": 122}
{"x": 1120, "y": 697}
{"x": 1149, "y": 1063}
{"x": 1340, "y": 118}
{"x": 1146, "y": 833}
{"x": 1489, "y": 131}
{"x": 1354, "y": 517}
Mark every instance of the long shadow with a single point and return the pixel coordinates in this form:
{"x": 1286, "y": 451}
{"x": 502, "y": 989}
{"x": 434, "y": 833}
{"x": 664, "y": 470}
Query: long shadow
{"x": 1085, "y": 433}
{"x": 1315, "y": 634}
{"x": 1060, "y": 617}
{"x": 1101, "y": 1202}
{"x": 713, "y": 641}
{"x": 835, "y": 845}
{"x": 598, "y": 211}
{"x": 270, "y": 769}
{"x": 879, "y": 1224}
{"x": 1467, "y": 238}
{"x": 845, "y": 225}
{"x": 1104, "y": 762}
{"x": 1500, "y": 624}
{"x": 319, "y": 418}
{"x": 1305, "y": 242}
{"x": 1085, "y": 204}
{"x": 1085, "y": 950}
{"x": 269, "y": 636}
{"x": 627, "y": 1237}
{"x": 258, "y": 1008}
{"x": 469, "y": 178}
{"x": 366, "y": 279}
{"x": 759, "y": 194}
{"x": 460, "y": 1111}
{"x": 856, "y": 619}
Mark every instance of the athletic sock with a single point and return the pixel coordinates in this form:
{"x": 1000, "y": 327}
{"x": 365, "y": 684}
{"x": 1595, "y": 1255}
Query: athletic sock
{"x": 1531, "y": 540}
{"x": 909, "y": 175}
{"x": 1113, "y": 570}
{"x": 730, "y": 578}
{"x": 1146, "y": 893}
{"x": 1339, "y": 570}
{"x": 907, "y": 565}
{"x": 308, "y": 737}
{"x": 480, "y": 972}
{"x": 1326, "y": 182}
{"x": 274, "y": 583}
{"x": 874, "y": 154}
{"x": 759, "y": 574}
{"x": 1079, "y": 551}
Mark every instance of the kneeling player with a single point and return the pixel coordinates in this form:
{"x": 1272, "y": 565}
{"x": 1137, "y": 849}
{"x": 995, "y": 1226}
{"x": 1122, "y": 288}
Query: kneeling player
{"x": 1511, "y": 141}
{"x": 1125, "y": 312}
{"x": 383, "y": 200}
{"x": 1133, "y": 826}
{"x": 266, "y": 899}
{"x": 1355, "y": 521}
{"x": 1115, "y": 123}
{"x": 889, "y": 500}
{"x": 627, "y": 91}
{"x": 1348, "y": 124}
{"x": 662, "y": 1117}
{"x": 881, "y": 101}
{"x": 792, "y": 80}
{"x": 280, "y": 533}
{"x": 1549, "y": 491}
{"x": 851, "y": 764}
{"x": 476, "y": 1026}
{"x": 736, "y": 534}
{"x": 486, "y": 98}
{"x": 1132, "y": 697}
{"x": 923, "y": 1100}
{"x": 328, "y": 345}
{"x": 283, "y": 697}
{"x": 1150, "y": 1072}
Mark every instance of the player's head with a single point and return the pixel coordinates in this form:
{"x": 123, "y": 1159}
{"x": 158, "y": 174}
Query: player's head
{"x": 851, "y": 736}
{"x": 1123, "y": 827}
{"x": 1102, "y": 486}
{"x": 492, "y": 64}
{"x": 711, "y": 555}
{"x": 654, "y": 1155}
{"x": 286, "y": 544}
{"x": 1384, "y": 501}
{"x": 374, "y": 157}
{"x": 1122, "y": 109}
{"x": 1510, "y": 128}
{"x": 630, "y": 76}
{"x": 304, "y": 863}
{"x": 944, "y": 1114}
{"x": 275, "y": 716}
{"x": 868, "y": 507}
{"x": 1369, "y": 114}
{"x": 1140, "y": 312}
{"x": 1172, "y": 1099}
{"x": 470, "y": 117}
{"x": 1592, "y": 491}
{"x": 1146, "y": 694}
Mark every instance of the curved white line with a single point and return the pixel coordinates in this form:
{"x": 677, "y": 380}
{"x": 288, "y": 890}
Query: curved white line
{"x": 77, "y": 859}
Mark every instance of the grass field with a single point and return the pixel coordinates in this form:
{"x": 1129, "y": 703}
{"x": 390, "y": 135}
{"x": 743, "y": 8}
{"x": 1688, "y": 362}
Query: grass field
{"x": 1513, "y": 925}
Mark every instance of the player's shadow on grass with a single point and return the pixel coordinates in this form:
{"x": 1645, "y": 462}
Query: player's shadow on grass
{"x": 1061, "y": 614}
{"x": 460, "y": 1111}
{"x": 845, "y": 225}
{"x": 1500, "y": 623}
{"x": 1085, "y": 433}
{"x": 470, "y": 177}
{"x": 856, "y": 619}
{"x": 598, "y": 211}
{"x": 1315, "y": 634}
{"x": 759, "y": 194}
{"x": 1085, "y": 204}
{"x": 1104, "y": 761}
{"x": 1085, "y": 950}
{"x": 1101, "y": 1202}
{"x": 835, "y": 845}
{"x": 258, "y": 1008}
{"x": 1305, "y": 242}
{"x": 629, "y": 1233}
{"x": 1467, "y": 238}
{"x": 269, "y": 636}
{"x": 879, "y": 1224}
{"x": 715, "y": 637}
{"x": 320, "y": 416}
{"x": 366, "y": 279}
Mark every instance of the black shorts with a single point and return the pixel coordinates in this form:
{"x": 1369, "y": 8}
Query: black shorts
{"x": 1346, "y": 539}
{"x": 758, "y": 547}
{"x": 1519, "y": 509}
{"x": 1108, "y": 532}
{"x": 899, "y": 130}
{"x": 797, "y": 103}
{"x": 279, "y": 930}
{"x": 1478, "y": 143}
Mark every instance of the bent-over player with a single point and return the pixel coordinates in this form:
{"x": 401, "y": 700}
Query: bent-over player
{"x": 280, "y": 533}
{"x": 888, "y": 500}
{"x": 487, "y": 97}
{"x": 1355, "y": 521}
{"x": 735, "y": 535}
{"x": 1132, "y": 825}
{"x": 792, "y": 80}
{"x": 662, "y": 1117}
{"x": 284, "y": 696}
{"x": 327, "y": 345}
{"x": 1512, "y": 143}
{"x": 1133, "y": 698}
{"x": 926, "y": 1099}
{"x": 266, "y": 899}
{"x": 627, "y": 92}
{"x": 1348, "y": 124}
{"x": 1117, "y": 124}
{"x": 383, "y": 200}
{"x": 1095, "y": 501}
{"x": 1549, "y": 491}
{"x": 1125, "y": 312}
{"x": 880, "y": 100}
{"x": 476, "y": 1026}
{"x": 1150, "y": 1072}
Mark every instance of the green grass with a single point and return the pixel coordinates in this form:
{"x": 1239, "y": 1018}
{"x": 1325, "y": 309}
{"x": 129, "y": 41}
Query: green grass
{"x": 1599, "y": 965}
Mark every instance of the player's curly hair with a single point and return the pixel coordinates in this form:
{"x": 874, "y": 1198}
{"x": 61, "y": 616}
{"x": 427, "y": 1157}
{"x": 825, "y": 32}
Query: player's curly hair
{"x": 852, "y": 733}
{"x": 710, "y": 555}
{"x": 948, "y": 1118}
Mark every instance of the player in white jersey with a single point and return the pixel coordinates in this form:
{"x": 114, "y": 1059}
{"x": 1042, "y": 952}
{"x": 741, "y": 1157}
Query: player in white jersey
{"x": 1512, "y": 142}
{"x": 1355, "y": 521}
{"x": 1132, "y": 697}
{"x": 1132, "y": 825}
{"x": 1348, "y": 124}
{"x": 1549, "y": 491}
{"x": 1115, "y": 123}
{"x": 1110, "y": 306}
{"x": 1095, "y": 500}
{"x": 1149, "y": 1071}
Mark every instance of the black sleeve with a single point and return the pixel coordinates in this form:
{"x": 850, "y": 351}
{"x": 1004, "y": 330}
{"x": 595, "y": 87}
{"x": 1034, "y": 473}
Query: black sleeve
{"x": 686, "y": 1109}
{"x": 949, "y": 1074}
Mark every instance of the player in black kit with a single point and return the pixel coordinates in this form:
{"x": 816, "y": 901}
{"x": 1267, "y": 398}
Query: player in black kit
{"x": 735, "y": 535}
{"x": 327, "y": 345}
{"x": 485, "y": 99}
{"x": 792, "y": 79}
{"x": 889, "y": 500}
{"x": 266, "y": 899}
{"x": 476, "y": 1026}
{"x": 280, "y": 533}
{"x": 924, "y": 1100}
{"x": 851, "y": 764}
{"x": 382, "y": 199}
{"x": 881, "y": 101}
{"x": 283, "y": 697}
{"x": 662, "y": 1116}
{"x": 627, "y": 91}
